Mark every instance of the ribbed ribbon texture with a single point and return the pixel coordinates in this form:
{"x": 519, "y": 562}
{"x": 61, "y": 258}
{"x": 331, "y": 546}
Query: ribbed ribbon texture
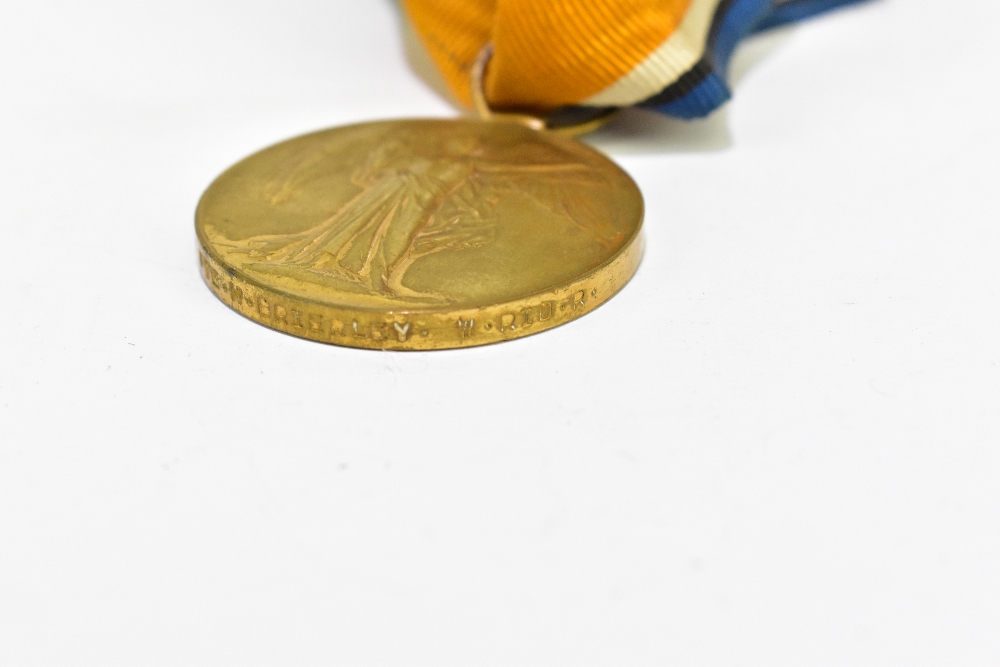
{"x": 667, "y": 55}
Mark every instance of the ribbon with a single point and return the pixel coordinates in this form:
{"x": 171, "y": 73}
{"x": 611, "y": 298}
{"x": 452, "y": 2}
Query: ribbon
{"x": 667, "y": 55}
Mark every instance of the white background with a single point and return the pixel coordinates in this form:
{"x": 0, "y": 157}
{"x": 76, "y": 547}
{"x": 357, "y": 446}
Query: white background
{"x": 777, "y": 446}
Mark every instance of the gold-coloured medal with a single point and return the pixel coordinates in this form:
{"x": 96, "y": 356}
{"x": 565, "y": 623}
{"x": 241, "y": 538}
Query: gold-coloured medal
{"x": 420, "y": 234}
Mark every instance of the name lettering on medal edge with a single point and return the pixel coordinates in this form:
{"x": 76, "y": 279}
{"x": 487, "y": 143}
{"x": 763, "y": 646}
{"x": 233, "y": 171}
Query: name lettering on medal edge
{"x": 526, "y": 317}
{"x": 241, "y": 297}
{"x": 402, "y": 330}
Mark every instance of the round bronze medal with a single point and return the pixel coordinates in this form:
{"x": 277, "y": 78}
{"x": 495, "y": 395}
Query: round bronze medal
{"x": 420, "y": 234}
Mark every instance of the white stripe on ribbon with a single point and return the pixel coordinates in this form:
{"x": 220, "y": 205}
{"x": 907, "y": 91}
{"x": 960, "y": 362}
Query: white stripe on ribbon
{"x": 682, "y": 50}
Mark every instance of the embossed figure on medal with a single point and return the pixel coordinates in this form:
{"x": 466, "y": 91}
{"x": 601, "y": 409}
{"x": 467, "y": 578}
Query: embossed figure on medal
{"x": 410, "y": 206}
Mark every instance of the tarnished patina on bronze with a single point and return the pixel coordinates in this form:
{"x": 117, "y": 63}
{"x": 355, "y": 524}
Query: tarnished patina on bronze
{"x": 420, "y": 234}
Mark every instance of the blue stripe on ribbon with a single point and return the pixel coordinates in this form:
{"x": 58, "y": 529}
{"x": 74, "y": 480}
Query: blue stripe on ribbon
{"x": 741, "y": 19}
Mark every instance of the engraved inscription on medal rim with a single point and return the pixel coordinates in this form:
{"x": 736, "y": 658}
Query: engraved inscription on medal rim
{"x": 273, "y": 312}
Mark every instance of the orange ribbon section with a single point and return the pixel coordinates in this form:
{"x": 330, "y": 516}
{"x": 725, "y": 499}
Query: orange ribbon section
{"x": 547, "y": 53}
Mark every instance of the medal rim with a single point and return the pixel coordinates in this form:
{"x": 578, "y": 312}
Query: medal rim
{"x": 623, "y": 264}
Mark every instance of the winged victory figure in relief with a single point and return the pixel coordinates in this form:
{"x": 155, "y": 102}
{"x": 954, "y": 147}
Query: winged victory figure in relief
{"x": 409, "y": 206}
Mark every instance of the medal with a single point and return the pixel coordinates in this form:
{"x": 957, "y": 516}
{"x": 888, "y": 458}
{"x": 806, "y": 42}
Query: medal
{"x": 434, "y": 234}
{"x": 421, "y": 234}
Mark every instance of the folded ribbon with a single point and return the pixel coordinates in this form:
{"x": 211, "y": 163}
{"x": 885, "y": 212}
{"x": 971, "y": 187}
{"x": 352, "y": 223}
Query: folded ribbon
{"x": 667, "y": 55}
